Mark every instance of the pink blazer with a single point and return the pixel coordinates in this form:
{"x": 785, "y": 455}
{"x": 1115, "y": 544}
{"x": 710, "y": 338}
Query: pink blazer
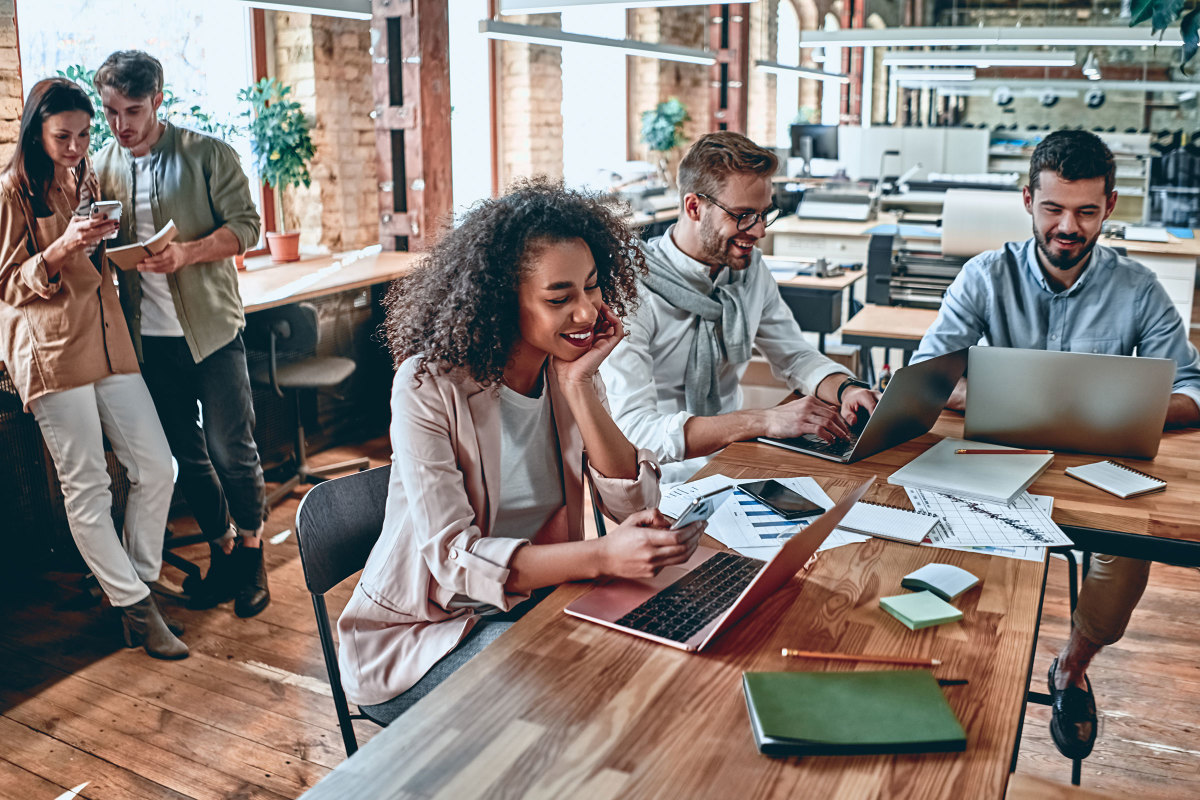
{"x": 435, "y": 543}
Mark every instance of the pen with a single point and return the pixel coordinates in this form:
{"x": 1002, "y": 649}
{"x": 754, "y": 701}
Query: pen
{"x": 952, "y": 681}
{"x": 911, "y": 662}
{"x": 1002, "y": 452}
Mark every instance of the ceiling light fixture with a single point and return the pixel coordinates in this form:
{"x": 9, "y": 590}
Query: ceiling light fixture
{"x": 803, "y": 72}
{"x": 550, "y": 7}
{"x": 1085, "y": 35}
{"x": 1091, "y": 69}
{"x": 346, "y": 9}
{"x": 512, "y": 32}
{"x": 910, "y": 75}
{"x": 981, "y": 58}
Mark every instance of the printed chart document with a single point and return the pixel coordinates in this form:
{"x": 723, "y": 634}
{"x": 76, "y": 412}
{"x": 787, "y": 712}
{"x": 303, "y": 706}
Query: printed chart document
{"x": 999, "y": 529}
{"x": 129, "y": 256}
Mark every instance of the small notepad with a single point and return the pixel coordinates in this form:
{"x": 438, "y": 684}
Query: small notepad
{"x": 945, "y": 580}
{"x": 889, "y": 522}
{"x": 1117, "y": 479}
{"x": 920, "y": 609}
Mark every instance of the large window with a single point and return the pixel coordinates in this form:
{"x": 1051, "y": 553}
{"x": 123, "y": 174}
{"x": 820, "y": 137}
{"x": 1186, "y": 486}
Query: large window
{"x": 593, "y": 104}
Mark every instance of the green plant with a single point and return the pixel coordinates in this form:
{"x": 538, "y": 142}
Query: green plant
{"x": 279, "y": 138}
{"x": 662, "y": 126}
{"x": 172, "y": 108}
{"x": 1161, "y": 14}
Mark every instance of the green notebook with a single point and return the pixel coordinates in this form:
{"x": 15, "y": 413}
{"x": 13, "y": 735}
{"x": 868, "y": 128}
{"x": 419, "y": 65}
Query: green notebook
{"x": 920, "y": 609}
{"x": 850, "y": 713}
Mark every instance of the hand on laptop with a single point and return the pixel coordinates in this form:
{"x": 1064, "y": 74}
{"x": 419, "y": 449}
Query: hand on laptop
{"x": 642, "y": 545}
{"x": 807, "y": 415}
{"x": 858, "y": 402}
{"x": 958, "y": 398}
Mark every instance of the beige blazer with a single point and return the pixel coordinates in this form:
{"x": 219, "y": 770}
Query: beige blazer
{"x": 441, "y": 506}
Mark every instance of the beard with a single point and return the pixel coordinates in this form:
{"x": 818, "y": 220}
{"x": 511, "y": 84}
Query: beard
{"x": 719, "y": 250}
{"x": 1064, "y": 261}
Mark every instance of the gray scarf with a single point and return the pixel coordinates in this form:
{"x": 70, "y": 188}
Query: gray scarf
{"x": 722, "y": 330}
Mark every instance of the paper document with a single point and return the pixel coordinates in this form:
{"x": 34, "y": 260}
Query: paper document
{"x": 967, "y": 523}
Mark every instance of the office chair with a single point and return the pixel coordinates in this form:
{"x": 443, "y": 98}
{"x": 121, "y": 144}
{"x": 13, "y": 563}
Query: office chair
{"x": 293, "y": 329}
{"x": 337, "y": 524}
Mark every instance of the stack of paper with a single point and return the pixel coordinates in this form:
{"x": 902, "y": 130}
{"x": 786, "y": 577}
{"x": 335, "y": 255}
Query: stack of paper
{"x": 1023, "y": 530}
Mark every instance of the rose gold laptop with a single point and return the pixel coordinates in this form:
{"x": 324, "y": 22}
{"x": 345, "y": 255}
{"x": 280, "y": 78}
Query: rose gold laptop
{"x": 689, "y": 605}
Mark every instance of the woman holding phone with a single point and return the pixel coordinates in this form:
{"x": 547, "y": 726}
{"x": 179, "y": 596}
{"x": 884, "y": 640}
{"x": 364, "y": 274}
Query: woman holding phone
{"x": 497, "y": 337}
{"x": 64, "y": 341}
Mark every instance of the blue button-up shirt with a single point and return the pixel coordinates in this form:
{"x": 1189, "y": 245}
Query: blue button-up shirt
{"x": 1116, "y": 307}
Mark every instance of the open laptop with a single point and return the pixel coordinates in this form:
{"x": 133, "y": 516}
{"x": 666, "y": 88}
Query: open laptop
{"x": 1085, "y": 402}
{"x": 689, "y": 605}
{"x": 910, "y": 404}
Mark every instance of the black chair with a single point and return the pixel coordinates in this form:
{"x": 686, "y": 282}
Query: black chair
{"x": 290, "y": 335}
{"x": 337, "y": 524}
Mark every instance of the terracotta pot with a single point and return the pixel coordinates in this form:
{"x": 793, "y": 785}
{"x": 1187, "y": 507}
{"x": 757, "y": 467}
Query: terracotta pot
{"x": 284, "y": 246}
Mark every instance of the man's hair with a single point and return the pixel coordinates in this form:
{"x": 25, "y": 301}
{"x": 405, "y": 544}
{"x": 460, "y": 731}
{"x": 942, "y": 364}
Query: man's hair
{"x": 1073, "y": 156}
{"x": 716, "y": 156}
{"x": 133, "y": 73}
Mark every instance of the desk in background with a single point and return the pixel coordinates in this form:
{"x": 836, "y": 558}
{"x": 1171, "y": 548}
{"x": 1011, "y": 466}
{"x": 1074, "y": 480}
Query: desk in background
{"x": 888, "y": 327}
{"x": 817, "y": 303}
{"x": 265, "y": 284}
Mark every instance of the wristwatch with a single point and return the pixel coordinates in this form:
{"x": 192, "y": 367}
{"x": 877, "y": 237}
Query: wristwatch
{"x": 850, "y": 381}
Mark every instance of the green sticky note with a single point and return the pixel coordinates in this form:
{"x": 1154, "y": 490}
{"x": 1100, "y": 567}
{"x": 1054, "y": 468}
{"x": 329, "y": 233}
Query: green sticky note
{"x": 920, "y": 609}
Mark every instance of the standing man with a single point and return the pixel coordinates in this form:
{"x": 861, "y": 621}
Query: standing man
{"x": 673, "y": 382}
{"x": 1060, "y": 291}
{"x": 186, "y": 318}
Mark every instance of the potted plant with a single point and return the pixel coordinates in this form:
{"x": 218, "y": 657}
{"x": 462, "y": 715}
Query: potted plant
{"x": 662, "y": 130}
{"x": 282, "y": 148}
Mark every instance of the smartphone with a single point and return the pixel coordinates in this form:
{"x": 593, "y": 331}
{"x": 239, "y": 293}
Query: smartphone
{"x": 108, "y": 209}
{"x": 702, "y": 507}
{"x": 780, "y": 499}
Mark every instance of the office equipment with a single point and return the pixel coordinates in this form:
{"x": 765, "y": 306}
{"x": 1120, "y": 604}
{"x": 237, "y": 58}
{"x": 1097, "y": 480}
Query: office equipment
{"x": 337, "y": 524}
{"x": 967, "y": 522}
{"x": 822, "y": 141}
{"x": 974, "y": 221}
{"x": 908, "y": 408}
{"x": 989, "y": 480}
{"x": 907, "y": 267}
{"x": 1086, "y": 402}
{"x": 889, "y": 522}
{"x": 837, "y": 201}
{"x": 920, "y": 610}
{"x": 681, "y": 607}
{"x": 1144, "y": 233}
{"x": 944, "y": 580}
{"x": 873, "y": 659}
{"x": 1117, "y": 479}
{"x": 850, "y": 713}
{"x": 780, "y": 499}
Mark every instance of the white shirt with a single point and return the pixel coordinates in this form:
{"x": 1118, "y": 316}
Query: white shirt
{"x": 159, "y": 317}
{"x": 645, "y": 372}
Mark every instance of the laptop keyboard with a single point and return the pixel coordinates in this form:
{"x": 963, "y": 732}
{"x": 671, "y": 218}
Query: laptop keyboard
{"x": 696, "y": 599}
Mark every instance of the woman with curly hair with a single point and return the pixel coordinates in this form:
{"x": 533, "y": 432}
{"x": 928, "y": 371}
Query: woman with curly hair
{"x": 497, "y": 337}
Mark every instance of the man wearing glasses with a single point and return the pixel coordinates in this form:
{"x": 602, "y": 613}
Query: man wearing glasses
{"x": 673, "y": 382}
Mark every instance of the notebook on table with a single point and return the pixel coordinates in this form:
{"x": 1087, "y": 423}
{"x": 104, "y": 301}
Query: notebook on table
{"x": 889, "y": 522}
{"x": 1117, "y": 479}
{"x": 986, "y": 478}
{"x": 850, "y": 713}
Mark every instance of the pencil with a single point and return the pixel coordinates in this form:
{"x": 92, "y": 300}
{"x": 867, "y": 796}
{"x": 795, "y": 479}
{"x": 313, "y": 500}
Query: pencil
{"x": 911, "y": 662}
{"x": 1002, "y": 452}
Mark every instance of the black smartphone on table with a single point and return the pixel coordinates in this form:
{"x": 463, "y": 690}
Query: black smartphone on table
{"x": 782, "y": 500}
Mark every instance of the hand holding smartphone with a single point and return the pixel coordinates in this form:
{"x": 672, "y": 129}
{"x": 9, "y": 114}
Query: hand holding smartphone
{"x": 702, "y": 507}
{"x": 109, "y": 210}
{"x": 782, "y": 500}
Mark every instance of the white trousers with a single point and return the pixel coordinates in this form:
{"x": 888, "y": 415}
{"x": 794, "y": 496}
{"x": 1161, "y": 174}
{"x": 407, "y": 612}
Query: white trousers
{"x": 74, "y": 423}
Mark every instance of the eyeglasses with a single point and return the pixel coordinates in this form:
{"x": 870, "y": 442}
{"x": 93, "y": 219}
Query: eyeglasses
{"x": 748, "y": 220}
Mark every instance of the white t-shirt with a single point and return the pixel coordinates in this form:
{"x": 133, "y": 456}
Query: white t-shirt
{"x": 158, "y": 308}
{"x": 531, "y": 485}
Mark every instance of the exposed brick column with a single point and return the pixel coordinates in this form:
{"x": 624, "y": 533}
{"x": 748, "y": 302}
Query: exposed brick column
{"x": 652, "y": 81}
{"x": 11, "y": 96}
{"x": 531, "y": 124}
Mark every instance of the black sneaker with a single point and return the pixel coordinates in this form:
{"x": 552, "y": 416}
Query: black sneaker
{"x": 251, "y": 593}
{"x": 219, "y": 584}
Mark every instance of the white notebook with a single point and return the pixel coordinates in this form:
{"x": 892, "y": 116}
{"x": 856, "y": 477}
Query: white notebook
{"x": 1117, "y": 479}
{"x": 987, "y": 478}
{"x": 889, "y": 522}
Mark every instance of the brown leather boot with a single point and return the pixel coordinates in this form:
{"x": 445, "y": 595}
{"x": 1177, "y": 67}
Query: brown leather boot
{"x": 253, "y": 595}
{"x": 143, "y": 625}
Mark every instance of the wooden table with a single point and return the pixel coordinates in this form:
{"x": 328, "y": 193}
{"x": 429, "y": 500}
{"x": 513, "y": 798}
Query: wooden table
{"x": 265, "y": 284}
{"x": 559, "y": 707}
{"x": 888, "y": 327}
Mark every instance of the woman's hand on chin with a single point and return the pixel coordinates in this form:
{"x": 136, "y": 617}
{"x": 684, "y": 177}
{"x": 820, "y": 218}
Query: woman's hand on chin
{"x": 607, "y": 333}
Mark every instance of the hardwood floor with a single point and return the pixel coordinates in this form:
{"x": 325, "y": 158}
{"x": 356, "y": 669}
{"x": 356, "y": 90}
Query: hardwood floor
{"x": 248, "y": 715}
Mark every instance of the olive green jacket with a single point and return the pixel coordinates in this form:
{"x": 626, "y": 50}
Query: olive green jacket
{"x": 198, "y": 183}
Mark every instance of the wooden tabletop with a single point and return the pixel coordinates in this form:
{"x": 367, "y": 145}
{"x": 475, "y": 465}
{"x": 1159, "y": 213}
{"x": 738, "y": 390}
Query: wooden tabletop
{"x": 264, "y": 284}
{"x": 559, "y": 707}
{"x": 890, "y": 322}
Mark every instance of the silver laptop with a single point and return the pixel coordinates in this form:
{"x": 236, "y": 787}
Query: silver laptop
{"x": 1085, "y": 402}
{"x": 689, "y": 605}
{"x": 910, "y": 404}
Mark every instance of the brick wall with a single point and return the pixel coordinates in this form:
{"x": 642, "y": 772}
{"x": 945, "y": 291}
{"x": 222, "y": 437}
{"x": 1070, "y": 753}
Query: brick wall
{"x": 11, "y": 96}
{"x": 530, "y": 89}
{"x": 326, "y": 62}
{"x": 652, "y": 81}
{"x": 761, "y": 99}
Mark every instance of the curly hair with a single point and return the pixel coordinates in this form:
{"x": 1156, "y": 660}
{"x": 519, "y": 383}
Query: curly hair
{"x": 459, "y": 310}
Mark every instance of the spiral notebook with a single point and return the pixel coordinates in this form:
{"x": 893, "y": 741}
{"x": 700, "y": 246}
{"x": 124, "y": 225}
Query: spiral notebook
{"x": 1117, "y": 479}
{"x": 889, "y": 522}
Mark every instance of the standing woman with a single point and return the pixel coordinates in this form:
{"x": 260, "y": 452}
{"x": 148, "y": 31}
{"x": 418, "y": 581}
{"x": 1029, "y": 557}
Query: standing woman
{"x": 497, "y": 337}
{"x": 64, "y": 340}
